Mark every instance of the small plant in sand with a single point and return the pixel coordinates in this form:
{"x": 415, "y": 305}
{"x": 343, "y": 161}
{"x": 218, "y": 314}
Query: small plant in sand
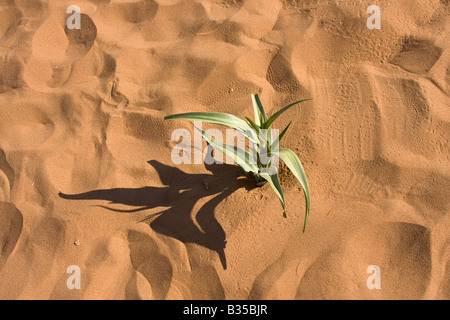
{"x": 265, "y": 148}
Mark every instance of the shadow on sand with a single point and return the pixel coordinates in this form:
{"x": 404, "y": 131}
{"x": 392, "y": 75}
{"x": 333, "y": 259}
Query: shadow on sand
{"x": 180, "y": 195}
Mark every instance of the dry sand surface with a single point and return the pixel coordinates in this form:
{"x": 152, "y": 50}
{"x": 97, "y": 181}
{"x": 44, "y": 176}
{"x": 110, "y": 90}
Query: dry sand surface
{"x": 86, "y": 176}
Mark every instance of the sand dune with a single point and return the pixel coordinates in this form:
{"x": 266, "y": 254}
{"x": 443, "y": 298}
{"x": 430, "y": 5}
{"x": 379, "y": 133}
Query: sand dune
{"x": 86, "y": 176}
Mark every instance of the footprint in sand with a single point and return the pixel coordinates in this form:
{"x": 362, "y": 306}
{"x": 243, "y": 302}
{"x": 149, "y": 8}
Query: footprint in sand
{"x": 6, "y": 178}
{"x": 4, "y": 188}
{"x": 10, "y": 73}
{"x": 23, "y": 126}
{"x": 401, "y": 250}
{"x": 417, "y": 55}
{"x": 80, "y": 40}
{"x": 55, "y": 49}
{"x": 10, "y": 17}
{"x": 55, "y": 43}
{"x": 35, "y": 257}
{"x": 153, "y": 269}
{"x": 130, "y": 11}
{"x": 10, "y": 229}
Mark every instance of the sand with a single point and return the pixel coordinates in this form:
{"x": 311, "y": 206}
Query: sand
{"x": 87, "y": 179}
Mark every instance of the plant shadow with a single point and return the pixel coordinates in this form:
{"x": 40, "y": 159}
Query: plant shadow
{"x": 181, "y": 193}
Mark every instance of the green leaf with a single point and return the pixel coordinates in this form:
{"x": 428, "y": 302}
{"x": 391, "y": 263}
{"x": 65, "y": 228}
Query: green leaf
{"x": 252, "y": 135}
{"x": 275, "y": 184}
{"x": 263, "y": 137}
{"x": 268, "y": 123}
{"x": 240, "y": 156}
{"x": 276, "y": 142}
{"x": 253, "y": 124}
{"x": 258, "y": 109}
{"x": 294, "y": 164}
{"x": 223, "y": 119}
{"x": 269, "y": 138}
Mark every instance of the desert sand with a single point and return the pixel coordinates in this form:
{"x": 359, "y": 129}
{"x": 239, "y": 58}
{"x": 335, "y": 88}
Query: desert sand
{"x": 86, "y": 176}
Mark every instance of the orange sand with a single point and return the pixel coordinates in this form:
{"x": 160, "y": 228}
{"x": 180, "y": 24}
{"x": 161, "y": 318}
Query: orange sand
{"x": 85, "y": 152}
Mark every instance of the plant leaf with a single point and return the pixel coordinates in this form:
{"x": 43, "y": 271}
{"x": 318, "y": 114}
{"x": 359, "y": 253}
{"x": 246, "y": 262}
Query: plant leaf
{"x": 258, "y": 109}
{"x": 223, "y": 119}
{"x": 275, "y": 184}
{"x": 253, "y": 124}
{"x": 277, "y": 114}
{"x": 277, "y": 141}
{"x": 293, "y": 163}
{"x": 240, "y": 156}
{"x": 263, "y": 137}
{"x": 269, "y": 138}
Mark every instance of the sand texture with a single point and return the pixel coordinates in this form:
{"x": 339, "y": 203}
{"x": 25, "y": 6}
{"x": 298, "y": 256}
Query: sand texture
{"x": 87, "y": 179}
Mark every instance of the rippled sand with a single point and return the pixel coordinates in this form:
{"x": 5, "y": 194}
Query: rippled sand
{"x": 86, "y": 176}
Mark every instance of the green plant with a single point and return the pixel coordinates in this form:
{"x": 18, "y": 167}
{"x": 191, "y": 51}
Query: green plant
{"x": 259, "y": 132}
